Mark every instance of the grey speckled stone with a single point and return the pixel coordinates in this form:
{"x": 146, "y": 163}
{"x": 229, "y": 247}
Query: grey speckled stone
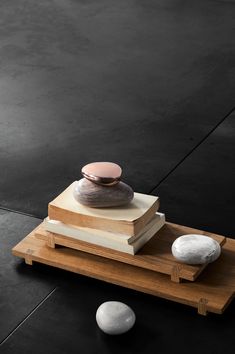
{"x": 114, "y": 317}
{"x": 195, "y": 249}
{"x": 97, "y": 196}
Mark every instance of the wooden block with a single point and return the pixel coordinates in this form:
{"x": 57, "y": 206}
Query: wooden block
{"x": 117, "y": 242}
{"x": 155, "y": 255}
{"x": 202, "y": 306}
{"x": 212, "y": 292}
{"x": 28, "y": 256}
{"x": 175, "y": 274}
{"x": 50, "y": 240}
{"x": 128, "y": 219}
{"x": 102, "y": 237}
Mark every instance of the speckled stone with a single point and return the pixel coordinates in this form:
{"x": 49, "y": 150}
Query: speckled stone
{"x": 195, "y": 249}
{"x": 114, "y": 317}
{"x": 97, "y": 196}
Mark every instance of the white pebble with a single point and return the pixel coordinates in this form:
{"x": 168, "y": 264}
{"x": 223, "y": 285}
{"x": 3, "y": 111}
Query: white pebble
{"x": 195, "y": 249}
{"x": 114, "y": 317}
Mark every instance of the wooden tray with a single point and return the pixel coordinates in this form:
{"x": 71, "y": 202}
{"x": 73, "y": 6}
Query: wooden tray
{"x": 212, "y": 292}
{"x": 155, "y": 255}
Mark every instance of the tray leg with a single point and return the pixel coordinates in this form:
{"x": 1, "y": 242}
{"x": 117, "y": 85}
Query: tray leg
{"x": 51, "y": 240}
{"x": 175, "y": 274}
{"x": 28, "y": 256}
{"x": 202, "y": 308}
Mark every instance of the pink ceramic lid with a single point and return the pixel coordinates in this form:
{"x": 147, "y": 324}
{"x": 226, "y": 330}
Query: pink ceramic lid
{"x": 102, "y": 172}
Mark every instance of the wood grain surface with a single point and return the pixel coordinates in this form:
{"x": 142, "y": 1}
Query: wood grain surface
{"x": 155, "y": 255}
{"x": 212, "y": 292}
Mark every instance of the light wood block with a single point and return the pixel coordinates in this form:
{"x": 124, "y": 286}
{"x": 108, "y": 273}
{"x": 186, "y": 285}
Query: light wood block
{"x": 117, "y": 242}
{"x": 212, "y": 292}
{"x": 102, "y": 237}
{"x": 128, "y": 219}
{"x": 155, "y": 255}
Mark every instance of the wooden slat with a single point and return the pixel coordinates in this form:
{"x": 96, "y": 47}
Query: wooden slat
{"x": 155, "y": 255}
{"x": 212, "y": 292}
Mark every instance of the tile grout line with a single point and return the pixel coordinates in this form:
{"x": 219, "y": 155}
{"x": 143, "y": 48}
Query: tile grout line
{"x": 27, "y": 317}
{"x": 163, "y": 179}
{"x": 193, "y": 149}
{"x": 20, "y": 212}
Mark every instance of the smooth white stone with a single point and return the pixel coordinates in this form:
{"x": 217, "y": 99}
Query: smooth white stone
{"x": 195, "y": 249}
{"x": 114, "y": 317}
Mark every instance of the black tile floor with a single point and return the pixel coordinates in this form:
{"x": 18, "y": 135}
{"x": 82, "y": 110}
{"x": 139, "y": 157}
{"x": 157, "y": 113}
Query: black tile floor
{"x": 200, "y": 191}
{"x": 148, "y": 84}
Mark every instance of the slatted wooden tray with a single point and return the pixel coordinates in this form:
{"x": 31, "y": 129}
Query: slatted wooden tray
{"x": 212, "y": 292}
{"x": 155, "y": 255}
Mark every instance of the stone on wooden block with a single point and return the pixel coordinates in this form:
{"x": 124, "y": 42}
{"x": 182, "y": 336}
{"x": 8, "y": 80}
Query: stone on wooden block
{"x": 104, "y": 173}
{"x": 195, "y": 249}
{"x": 98, "y": 196}
{"x": 114, "y": 317}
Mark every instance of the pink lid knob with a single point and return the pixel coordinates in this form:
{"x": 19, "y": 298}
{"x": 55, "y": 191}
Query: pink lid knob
{"x": 105, "y": 173}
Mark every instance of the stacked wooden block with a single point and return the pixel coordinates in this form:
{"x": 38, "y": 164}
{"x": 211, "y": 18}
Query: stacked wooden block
{"x": 125, "y": 228}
